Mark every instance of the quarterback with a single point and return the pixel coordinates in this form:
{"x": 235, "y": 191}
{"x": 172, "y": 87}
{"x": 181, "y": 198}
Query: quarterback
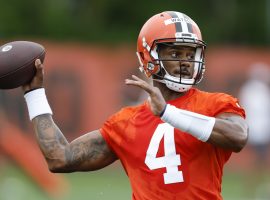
{"x": 172, "y": 146}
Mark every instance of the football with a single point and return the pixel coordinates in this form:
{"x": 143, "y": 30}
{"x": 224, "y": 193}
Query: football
{"x": 17, "y": 63}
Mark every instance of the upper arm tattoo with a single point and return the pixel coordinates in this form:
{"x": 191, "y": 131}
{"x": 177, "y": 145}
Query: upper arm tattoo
{"x": 87, "y": 152}
{"x": 90, "y": 151}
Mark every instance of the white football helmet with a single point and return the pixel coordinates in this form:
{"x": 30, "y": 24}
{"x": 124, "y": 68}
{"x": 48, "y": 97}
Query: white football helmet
{"x": 172, "y": 28}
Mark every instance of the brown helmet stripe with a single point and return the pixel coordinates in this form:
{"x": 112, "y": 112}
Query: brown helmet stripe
{"x": 189, "y": 27}
{"x": 178, "y": 25}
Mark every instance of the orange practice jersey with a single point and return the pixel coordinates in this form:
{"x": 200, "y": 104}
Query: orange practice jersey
{"x": 164, "y": 163}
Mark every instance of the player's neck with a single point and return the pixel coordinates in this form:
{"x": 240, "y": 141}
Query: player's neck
{"x": 166, "y": 92}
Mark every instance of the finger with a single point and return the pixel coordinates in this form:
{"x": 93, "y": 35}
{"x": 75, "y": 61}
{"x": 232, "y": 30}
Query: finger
{"x": 132, "y": 82}
{"x": 25, "y": 87}
{"x": 140, "y": 83}
{"x": 39, "y": 67}
{"x": 140, "y": 80}
{"x": 136, "y": 78}
{"x": 149, "y": 100}
{"x": 37, "y": 63}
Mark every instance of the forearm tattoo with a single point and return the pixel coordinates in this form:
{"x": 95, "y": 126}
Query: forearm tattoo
{"x": 86, "y": 152}
{"x": 49, "y": 136}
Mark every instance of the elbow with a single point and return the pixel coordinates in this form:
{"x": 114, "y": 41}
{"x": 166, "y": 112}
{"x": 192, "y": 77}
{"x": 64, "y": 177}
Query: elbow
{"x": 56, "y": 166}
{"x": 58, "y": 170}
{"x": 54, "y": 169}
{"x": 238, "y": 147}
{"x": 241, "y": 141}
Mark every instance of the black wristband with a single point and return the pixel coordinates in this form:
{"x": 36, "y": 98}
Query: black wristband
{"x": 163, "y": 111}
{"x": 31, "y": 90}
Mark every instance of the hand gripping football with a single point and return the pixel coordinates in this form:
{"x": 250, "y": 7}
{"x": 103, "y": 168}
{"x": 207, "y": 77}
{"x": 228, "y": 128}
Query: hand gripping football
{"x": 17, "y": 63}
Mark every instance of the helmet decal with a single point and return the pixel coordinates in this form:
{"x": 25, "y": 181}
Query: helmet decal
{"x": 181, "y": 21}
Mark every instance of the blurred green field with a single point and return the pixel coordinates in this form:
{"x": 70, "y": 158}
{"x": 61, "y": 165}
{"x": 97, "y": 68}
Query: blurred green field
{"x": 110, "y": 183}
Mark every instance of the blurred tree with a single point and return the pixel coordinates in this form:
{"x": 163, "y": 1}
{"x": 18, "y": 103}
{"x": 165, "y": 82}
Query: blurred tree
{"x": 240, "y": 22}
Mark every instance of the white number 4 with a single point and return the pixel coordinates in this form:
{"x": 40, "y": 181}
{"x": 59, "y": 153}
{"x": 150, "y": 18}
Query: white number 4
{"x": 171, "y": 160}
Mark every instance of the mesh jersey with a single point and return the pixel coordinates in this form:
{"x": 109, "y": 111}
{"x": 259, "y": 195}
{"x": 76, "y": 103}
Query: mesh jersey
{"x": 130, "y": 131}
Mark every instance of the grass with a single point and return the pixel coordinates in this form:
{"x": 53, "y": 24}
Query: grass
{"x": 110, "y": 183}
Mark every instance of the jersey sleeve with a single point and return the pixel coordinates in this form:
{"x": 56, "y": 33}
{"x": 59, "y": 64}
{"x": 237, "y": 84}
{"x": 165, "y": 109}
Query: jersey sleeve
{"x": 227, "y": 104}
{"x": 114, "y": 130}
{"x": 109, "y": 132}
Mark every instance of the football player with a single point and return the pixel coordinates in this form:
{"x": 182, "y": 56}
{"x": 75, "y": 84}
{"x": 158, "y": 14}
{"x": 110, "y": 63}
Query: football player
{"x": 172, "y": 146}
